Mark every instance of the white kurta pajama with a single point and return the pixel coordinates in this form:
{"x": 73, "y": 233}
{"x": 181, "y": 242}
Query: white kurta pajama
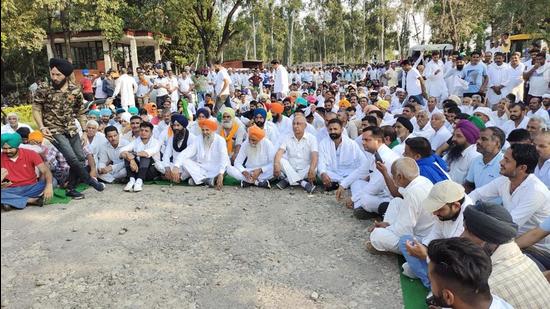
{"x": 259, "y": 157}
{"x": 498, "y": 75}
{"x": 281, "y": 85}
{"x": 108, "y": 155}
{"x": 339, "y": 162}
{"x": 406, "y": 216}
{"x": 170, "y": 154}
{"x": 126, "y": 86}
{"x": 368, "y": 188}
{"x": 435, "y": 83}
{"x": 515, "y": 82}
{"x": 201, "y": 162}
{"x": 296, "y": 161}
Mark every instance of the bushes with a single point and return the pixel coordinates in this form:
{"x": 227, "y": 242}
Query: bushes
{"x": 24, "y": 112}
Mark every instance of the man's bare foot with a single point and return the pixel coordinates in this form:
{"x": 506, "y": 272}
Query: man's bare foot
{"x": 349, "y": 203}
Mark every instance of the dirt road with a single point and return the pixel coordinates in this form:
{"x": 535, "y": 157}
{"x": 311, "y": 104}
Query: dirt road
{"x": 183, "y": 247}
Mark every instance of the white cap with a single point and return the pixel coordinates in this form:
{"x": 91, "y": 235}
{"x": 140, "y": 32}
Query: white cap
{"x": 442, "y": 193}
{"x": 546, "y": 96}
{"x": 485, "y": 111}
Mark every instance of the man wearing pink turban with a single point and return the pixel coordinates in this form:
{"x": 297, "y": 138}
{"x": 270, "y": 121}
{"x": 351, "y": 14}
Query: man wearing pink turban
{"x": 462, "y": 150}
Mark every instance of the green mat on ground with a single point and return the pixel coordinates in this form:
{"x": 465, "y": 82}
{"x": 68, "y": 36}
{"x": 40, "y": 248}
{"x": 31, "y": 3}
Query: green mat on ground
{"x": 59, "y": 196}
{"x": 414, "y": 292}
{"x": 227, "y": 181}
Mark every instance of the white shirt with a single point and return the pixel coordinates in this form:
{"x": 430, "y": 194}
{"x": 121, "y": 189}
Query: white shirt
{"x": 97, "y": 142}
{"x": 109, "y": 154}
{"x": 448, "y": 228}
{"x": 127, "y": 87}
{"x": 298, "y": 152}
{"x": 515, "y": 80}
{"x": 161, "y": 81}
{"x": 169, "y": 155}
{"x": 98, "y": 85}
{"x": 220, "y": 78}
{"x": 529, "y": 204}
{"x": 435, "y": 83}
{"x": 510, "y": 125}
{"x": 260, "y": 157}
{"x": 281, "y": 80}
{"x": 499, "y": 303}
{"x": 543, "y": 173}
{"x": 440, "y": 137}
{"x": 411, "y": 83}
{"x": 542, "y": 113}
{"x": 538, "y": 82}
{"x": 8, "y": 129}
{"x": 458, "y": 169}
{"x": 152, "y": 148}
{"x": 413, "y": 219}
{"x": 427, "y": 131}
{"x": 341, "y": 161}
{"x": 184, "y": 84}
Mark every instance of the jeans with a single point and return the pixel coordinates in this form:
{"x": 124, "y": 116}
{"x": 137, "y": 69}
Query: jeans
{"x": 71, "y": 148}
{"x": 17, "y": 197}
{"x": 418, "y": 266}
{"x": 146, "y": 171}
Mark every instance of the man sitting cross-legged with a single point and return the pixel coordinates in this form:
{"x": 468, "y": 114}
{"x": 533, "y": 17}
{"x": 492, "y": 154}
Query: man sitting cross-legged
{"x": 301, "y": 153}
{"x": 140, "y": 157}
{"x": 110, "y": 166}
{"x": 404, "y": 216}
{"x": 206, "y": 159}
{"x": 339, "y": 156}
{"x": 179, "y": 140}
{"x": 254, "y": 163}
{"x": 20, "y": 185}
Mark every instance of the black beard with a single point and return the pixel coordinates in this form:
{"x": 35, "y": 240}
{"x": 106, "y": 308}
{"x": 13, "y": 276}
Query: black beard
{"x": 59, "y": 85}
{"x": 455, "y": 152}
{"x": 334, "y": 136}
{"x": 178, "y": 134}
{"x": 260, "y": 124}
{"x": 276, "y": 118}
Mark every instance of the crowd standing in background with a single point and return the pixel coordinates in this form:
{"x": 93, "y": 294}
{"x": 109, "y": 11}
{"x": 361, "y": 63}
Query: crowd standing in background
{"x": 449, "y": 155}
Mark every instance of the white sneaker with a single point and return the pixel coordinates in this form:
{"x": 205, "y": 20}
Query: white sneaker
{"x": 130, "y": 185}
{"x": 138, "y": 186}
{"x": 407, "y": 271}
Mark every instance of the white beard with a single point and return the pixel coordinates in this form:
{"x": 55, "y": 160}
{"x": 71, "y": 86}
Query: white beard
{"x": 253, "y": 152}
{"x": 208, "y": 140}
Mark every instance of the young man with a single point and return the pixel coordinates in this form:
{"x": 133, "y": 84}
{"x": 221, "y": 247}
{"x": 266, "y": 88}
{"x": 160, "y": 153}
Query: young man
{"x": 280, "y": 87}
{"x": 339, "y": 156}
{"x": 518, "y": 119}
{"x": 254, "y": 163}
{"x": 260, "y": 120}
{"x": 413, "y": 82}
{"x": 522, "y": 193}
{"x": 127, "y": 87}
{"x": 221, "y": 87}
{"x": 54, "y": 110}
{"x": 475, "y": 73}
{"x": 301, "y": 154}
{"x": 110, "y": 166}
{"x": 447, "y": 201}
{"x": 135, "y": 122}
{"x": 430, "y": 165}
{"x": 435, "y": 81}
{"x": 20, "y": 185}
{"x": 497, "y": 74}
{"x": 140, "y": 157}
{"x": 459, "y": 272}
{"x": 491, "y": 227}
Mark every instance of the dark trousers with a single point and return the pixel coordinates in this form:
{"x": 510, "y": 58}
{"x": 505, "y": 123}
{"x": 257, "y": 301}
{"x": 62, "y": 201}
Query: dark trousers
{"x": 71, "y": 148}
{"x": 146, "y": 171}
{"x": 540, "y": 257}
{"x": 160, "y": 100}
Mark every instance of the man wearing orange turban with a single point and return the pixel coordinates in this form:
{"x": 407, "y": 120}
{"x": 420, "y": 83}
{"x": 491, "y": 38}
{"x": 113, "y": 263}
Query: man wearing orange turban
{"x": 258, "y": 153}
{"x": 282, "y": 122}
{"x": 205, "y": 160}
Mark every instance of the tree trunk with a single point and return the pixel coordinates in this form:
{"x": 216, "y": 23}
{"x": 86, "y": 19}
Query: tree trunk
{"x": 254, "y": 36}
{"x": 454, "y": 33}
{"x": 51, "y": 35}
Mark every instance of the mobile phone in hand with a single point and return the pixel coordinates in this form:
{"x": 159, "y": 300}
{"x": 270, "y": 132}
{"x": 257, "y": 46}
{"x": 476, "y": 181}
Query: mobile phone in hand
{"x": 377, "y": 157}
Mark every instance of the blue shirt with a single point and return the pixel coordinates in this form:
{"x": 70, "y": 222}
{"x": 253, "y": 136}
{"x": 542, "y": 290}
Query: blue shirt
{"x": 545, "y": 225}
{"x": 481, "y": 174}
{"x": 434, "y": 168}
{"x": 473, "y": 74}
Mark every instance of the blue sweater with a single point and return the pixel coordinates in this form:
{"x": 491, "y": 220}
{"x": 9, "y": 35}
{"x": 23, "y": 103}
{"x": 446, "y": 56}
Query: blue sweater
{"x": 433, "y": 168}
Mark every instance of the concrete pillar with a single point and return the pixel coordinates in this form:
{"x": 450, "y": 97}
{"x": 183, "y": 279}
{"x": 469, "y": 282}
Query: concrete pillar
{"x": 134, "y": 55}
{"x": 106, "y": 57}
{"x": 157, "y": 52}
{"x": 49, "y": 50}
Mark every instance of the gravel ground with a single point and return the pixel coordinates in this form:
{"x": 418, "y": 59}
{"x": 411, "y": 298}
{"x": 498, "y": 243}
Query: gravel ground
{"x": 183, "y": 247}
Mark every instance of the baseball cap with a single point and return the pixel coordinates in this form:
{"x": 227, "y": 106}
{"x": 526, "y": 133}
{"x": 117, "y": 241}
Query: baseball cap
{"x": 442, "y": 193}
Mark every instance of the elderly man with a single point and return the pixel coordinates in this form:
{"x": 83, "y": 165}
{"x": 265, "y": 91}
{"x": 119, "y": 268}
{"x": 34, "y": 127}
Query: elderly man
{"x": 404, "y": 129}
{"x": 20, "y": 186}
{"x": 368, "y": 189}
{"x": 491, "y": 227}
{"x": 463, "y": 150}
{"x": 206, "y": 159}
{"x": 54, "y": 110}
{"x": 339, "y": 156}
{"x": 542, "y": 170}
{"x": 13, "y": 124}
{"x": 522, "y": 193}
{"x": 442, "y": 134}
{"x": 232, "y": 131}
{"x": 140, "y": 157}
{"x": 179, "y": 139}
{"x": 254, "y": 163}
{"x": 404, "y": 216}
{"x": 94, "y": 138}
{"x": 447, "y": 201}
{"x": 535, "y": 126}
{"x": 423, "y": 128}
{"x": 485, "y": 168}
{"x": 536, "y": 109}
{"x": 301, "y": 154}
{"x": 485, "y": 114}
{"x": 110, "y": 166}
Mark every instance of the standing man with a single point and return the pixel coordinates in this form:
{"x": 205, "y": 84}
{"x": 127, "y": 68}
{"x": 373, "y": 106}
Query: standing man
{"x": 127, "y": 87}
{"x": 413, "y": 82}
{"x": 54, "y": 110}
{"x": 497, "y": 73}
{"x": 221, "y": 87}
{"x": 475, "y": 73}
{"x": 435, "y": 77}
{"x": 280, "y": 88}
